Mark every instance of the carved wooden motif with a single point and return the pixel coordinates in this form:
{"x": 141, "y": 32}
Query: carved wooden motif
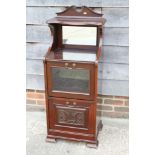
{"x": 83, "y": 11}
{"x": 71, "y": 117}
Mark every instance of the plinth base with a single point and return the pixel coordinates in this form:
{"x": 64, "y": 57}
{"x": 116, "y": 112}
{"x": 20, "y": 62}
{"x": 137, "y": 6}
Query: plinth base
{"x": 92, "y": 143}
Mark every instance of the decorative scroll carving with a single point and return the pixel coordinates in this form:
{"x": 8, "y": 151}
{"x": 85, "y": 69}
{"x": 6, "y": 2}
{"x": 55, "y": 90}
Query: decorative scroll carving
{"x": 83, "y": 11}
{"x": 71, "y": 117}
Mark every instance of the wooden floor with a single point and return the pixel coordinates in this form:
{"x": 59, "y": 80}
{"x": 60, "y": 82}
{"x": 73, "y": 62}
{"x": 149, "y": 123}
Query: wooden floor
{"x": 113, "y": 139}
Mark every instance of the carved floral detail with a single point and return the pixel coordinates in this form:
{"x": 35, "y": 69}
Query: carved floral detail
{"x": 71, "y": 117}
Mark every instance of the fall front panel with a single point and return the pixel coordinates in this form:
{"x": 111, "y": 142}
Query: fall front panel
{"x": 71, "y": 115}
{"x": 71, "y": 82}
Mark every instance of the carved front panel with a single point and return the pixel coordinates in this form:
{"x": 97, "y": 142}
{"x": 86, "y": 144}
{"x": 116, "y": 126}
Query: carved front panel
{"x": 71, "y": 116}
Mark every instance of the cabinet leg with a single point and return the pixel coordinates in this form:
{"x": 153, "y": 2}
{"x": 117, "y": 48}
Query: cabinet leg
{"x": 51, "y": 140}
{"x": 95, "y": 143}
{"x": 92, "y": 145}
{"x": 100, "y": 126}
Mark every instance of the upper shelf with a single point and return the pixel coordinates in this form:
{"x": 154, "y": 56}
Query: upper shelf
{"x": 72, "y": 55}
{"x": 76, "y": 16}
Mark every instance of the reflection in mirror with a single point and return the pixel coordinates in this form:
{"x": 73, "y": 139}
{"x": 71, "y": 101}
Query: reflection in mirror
{"x": 78, "y": 35}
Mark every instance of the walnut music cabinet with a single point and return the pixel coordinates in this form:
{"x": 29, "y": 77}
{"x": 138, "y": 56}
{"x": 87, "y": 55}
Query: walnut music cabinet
{"x": 71, "y": 75}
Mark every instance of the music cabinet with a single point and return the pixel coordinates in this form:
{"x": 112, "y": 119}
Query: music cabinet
{"x": 71, "y": 75}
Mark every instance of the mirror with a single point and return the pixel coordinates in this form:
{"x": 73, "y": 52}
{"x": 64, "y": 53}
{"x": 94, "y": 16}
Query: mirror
{"x": 78, "y": 35}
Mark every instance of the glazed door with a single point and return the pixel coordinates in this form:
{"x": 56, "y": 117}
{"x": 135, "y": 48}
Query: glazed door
{"x": 71, "y": 115}
{"x": 71, "y": 80}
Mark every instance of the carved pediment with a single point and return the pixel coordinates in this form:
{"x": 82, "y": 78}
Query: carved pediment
{"x": 83, "y": 11}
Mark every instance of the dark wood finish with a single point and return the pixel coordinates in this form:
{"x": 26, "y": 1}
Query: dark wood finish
{"x": 83, "y": 11}
{"x": 71, "y": 112}
{"x": 72, "y": 115}
{"x": 89, "y": 67}
{"x": 90, "y": 139}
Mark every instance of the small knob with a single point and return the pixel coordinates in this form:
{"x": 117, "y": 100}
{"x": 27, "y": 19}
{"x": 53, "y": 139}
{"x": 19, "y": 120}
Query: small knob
{"x": 74, "y": 103}
{"x": 66, "y": 64}
{"x": 74, "y": 64}
{"x": 67, "y": 102}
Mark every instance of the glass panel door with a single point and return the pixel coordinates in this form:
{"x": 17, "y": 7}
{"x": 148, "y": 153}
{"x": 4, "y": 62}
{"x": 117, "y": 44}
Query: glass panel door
{"x": 70, "y": 80}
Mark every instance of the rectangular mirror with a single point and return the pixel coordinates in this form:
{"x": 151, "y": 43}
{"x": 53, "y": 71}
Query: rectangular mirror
{"x": 78, "y": 35}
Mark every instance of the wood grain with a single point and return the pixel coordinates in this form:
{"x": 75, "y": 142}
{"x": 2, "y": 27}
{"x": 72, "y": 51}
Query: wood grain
{"x": 113, "y": 71}
{"x": 39, "y": 15}
{"x": 116, "y": 17}
{"x": 115, "y": 54}
{"x": 35, "y": 82}
{"x": 114, "y": 87}
{"x": 36, "y": 50}
{"x": 90, "y": 3}
{"x": 116, "y": 36}
{"x": 38, "y": 34}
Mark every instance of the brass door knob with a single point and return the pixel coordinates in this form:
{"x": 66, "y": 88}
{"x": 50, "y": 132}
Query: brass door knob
{"x": 66, "y": 64}
{"x": 67, "y": 102}
{"x": 74, "y": 103}
{"x": 74, "y": 64}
